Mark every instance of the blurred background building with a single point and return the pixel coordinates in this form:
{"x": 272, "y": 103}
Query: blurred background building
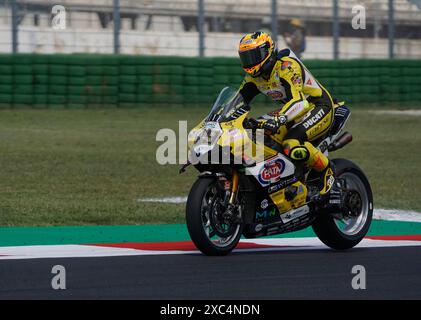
{"x": 211, "y": 27}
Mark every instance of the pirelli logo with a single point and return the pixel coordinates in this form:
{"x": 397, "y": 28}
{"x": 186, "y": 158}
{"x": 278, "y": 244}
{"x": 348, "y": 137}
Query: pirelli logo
{"x": 311, "y": 121}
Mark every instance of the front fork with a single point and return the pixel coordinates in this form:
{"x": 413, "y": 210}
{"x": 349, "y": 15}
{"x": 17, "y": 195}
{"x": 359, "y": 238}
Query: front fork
{"x": 234, "y": 189}
{"x": 231, "y": 193}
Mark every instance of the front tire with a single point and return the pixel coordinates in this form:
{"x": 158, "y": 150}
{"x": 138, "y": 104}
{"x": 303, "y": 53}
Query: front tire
{"x": 202, "y": 202}
{"x": 329, "y": 229}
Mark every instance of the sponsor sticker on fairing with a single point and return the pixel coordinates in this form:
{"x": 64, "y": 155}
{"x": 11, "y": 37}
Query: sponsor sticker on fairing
{"x": 271, "y": 171}
{"x": 282, "y": 184}
{"x": 266, "y": 214}
{"x": 264, "y": 204}
{"x": 294, "y": 214}
{"x": 212, "y": 125}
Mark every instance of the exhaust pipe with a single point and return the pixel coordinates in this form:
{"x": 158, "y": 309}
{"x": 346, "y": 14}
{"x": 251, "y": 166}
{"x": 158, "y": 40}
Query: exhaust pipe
{"x": 341, "y": 141}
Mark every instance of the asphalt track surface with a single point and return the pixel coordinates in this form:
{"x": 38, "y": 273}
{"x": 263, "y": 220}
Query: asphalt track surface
{"x": 392, "y": 273}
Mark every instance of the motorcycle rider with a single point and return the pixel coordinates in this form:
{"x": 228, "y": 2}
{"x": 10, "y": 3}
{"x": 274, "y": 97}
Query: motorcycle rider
{"x": 306, "y": 106}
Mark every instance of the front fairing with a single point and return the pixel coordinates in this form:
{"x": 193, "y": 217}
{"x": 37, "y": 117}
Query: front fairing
{"x": 230, "y": 135}
{"x": 240, "y": 143}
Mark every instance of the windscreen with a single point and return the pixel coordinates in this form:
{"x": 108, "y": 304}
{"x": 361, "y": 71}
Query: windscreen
{"x": 229, "y": 105}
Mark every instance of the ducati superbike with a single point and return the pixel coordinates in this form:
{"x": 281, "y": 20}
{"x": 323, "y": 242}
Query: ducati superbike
{"x": 239, "y": 193}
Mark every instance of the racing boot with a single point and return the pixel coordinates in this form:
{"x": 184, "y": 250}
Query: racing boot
{"x": 329, "y": 187}
{"x": 326, "y": 180}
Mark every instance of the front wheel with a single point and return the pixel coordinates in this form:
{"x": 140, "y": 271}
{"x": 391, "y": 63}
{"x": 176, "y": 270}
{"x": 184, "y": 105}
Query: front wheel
{"x": 343, "y": 232}
{"x": 209, "y": 232}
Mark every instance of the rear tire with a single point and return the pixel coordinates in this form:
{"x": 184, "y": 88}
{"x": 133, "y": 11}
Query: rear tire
{"x": 195, "y": 220}
{"x": 327, "y": 228}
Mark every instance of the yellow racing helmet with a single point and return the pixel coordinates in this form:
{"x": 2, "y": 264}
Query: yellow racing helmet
{"x": 255, "y": 50}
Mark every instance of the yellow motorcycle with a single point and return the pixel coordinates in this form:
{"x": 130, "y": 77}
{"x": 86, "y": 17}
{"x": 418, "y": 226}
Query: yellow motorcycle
{"x": 248, "y": 187}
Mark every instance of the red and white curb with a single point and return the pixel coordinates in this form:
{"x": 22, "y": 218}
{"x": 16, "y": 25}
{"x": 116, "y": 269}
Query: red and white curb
{"x": 187, "y": 247}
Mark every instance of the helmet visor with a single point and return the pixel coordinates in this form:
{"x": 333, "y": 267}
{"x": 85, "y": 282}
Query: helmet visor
{"x": 252, "y": 57}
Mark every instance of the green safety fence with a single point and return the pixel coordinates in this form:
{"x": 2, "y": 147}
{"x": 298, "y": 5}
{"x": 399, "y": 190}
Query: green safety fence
{"x": 87, "y": 80}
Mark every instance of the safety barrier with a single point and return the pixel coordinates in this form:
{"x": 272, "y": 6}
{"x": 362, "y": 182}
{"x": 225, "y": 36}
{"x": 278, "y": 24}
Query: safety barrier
{"x": 87, "y": 80}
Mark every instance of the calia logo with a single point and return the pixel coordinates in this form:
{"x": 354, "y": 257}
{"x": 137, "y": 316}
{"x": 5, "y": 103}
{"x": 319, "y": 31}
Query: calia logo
{"x": 271, "y": 172}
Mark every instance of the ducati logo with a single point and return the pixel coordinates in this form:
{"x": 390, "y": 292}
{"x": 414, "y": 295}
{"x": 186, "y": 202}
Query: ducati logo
{"x": 314, "y": 119}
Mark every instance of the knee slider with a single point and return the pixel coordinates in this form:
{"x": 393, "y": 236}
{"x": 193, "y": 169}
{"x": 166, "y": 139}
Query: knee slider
{"x": 299, "y": 153}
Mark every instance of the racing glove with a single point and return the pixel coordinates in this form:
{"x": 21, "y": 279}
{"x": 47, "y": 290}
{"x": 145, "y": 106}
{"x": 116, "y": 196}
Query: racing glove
{"x": 272, "y": 125}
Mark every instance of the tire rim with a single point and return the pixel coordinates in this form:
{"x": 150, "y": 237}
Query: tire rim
{"x": 208, "y": 207}
{"x": 352, "y": 225}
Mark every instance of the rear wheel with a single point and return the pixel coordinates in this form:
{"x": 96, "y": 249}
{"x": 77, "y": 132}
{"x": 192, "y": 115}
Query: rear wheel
{"x": 209, "y": 231}
{"x": 343, "y": 231}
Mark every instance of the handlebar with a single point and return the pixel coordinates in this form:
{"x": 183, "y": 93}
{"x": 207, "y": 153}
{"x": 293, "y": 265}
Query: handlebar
{"x": 251, "y": 123}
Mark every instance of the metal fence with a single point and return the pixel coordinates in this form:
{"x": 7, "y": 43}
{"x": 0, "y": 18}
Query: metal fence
{"x": 332, "y": 29}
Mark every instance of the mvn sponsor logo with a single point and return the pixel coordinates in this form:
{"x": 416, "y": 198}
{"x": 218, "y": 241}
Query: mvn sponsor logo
{"x": 266, "y": 214}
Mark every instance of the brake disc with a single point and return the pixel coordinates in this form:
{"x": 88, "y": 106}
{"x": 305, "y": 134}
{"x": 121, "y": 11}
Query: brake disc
{"x": 353, "y": 203}
{"x": 220, "y": 226}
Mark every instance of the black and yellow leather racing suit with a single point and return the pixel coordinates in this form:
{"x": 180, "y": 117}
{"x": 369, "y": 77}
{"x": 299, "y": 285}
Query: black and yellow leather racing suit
{"x": 307, "y": 106}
